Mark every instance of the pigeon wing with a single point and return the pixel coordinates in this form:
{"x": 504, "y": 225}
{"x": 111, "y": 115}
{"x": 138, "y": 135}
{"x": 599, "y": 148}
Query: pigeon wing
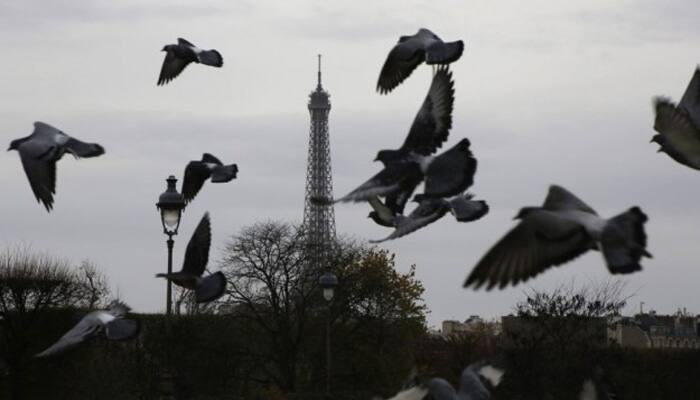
{"x": 560, "y": 199}
{"x": 41, "y": 174}
{"x": 183, "y": 42}
{"x": 400, "y": 63}
{"x": 466, "y": 210}
{"x": 87, "y": 327}
{"x": 46, "y": 132}
{"x": 690, "y": 102}
{"x": 397, "y": 200}
{"x": 450, "y": 173}
{"x": 528, "y": 250}
{"x": 471, "y": 387}
{"x": 209, "y": 158}
{"x": 434, "y": 119}
{"x": 386, "y": 182}
{"x": 680, "y": 132}
{"x": 196, "y": 173}
{"x": 172, "y": 67}
{"x": 197, "y": 252}
{"x": 210, "y": 288}
{"x": 425, "y": 214}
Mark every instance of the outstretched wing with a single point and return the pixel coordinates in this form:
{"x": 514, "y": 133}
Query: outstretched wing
{"x": 434, "y": 119}
{"x": 406, "y": 55}
{"x": 426, "y": 213}
{"x": 197, "y": 253}
{"x": 196, "y": 173}
{"x": 88, "y": 326}
{"x": 41, "y": 174}
{"x": 690, "y": 102}
{"x": 172, "y": 67}
{"x": 386, "y": 182}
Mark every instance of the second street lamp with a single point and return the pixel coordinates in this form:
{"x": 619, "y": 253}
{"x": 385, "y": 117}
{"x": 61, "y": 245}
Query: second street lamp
{"x": 170, "y": 204}
{"x": 328, "y": 281}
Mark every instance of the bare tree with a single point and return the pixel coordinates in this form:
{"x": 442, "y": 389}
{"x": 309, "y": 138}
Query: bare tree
{"x": 94, "y": 283}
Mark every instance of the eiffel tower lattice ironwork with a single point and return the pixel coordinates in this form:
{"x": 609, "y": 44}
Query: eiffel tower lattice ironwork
{"x": 319, "y": 219}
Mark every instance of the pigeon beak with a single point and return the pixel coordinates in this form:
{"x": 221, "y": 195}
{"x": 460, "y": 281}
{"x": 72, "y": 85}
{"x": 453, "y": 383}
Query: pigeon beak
{"x": 661, "y": 149}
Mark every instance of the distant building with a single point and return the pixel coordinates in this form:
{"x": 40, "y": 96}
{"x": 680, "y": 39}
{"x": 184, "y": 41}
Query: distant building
{"x": 472, "y": 324}
{"x": 649, "y": 330}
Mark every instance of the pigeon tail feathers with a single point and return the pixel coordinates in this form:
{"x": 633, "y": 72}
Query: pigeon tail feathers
{"x": 225, "y": 173}
{"x": 210, "y": 288}
{"x": 210, "y": 57}
{"x": 623, "y": 241}
{"x": 84, "y": 150}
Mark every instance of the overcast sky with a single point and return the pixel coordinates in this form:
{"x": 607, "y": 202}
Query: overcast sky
{"x": 547, "y": 92}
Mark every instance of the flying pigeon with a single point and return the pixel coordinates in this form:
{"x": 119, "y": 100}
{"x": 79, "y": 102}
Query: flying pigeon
{"x": 39, "y": 153}
{"x": 205, "y": 289}
{"x": 471, "y": 386}
{"x": 562, "y": 229}
{"x": 431, "y": 125}
{"x": 183, "y": 53}
{"x": 382, "y": 214}
{"x": 197, "y": 172}
{"x": 411, "y": 51}
{"x": 111, "y": 322}
{"x": 678, "y": 127}
{"x": 430, "y": 210}
{"x": 599, "y": 387}
{"x": 450, "y": 173}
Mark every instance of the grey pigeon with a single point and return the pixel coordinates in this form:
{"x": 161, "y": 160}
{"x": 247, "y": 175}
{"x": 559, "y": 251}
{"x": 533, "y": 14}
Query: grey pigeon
{"x": 382, "y": 214}
{"x": 396, "y": 179}
{"x": 562, "y": 229}
{"x": 450, "y": 173}
{"x": 111, "y": 322}
{"x": 410, "y": 52}
{"x": 39, "y": 153}
{"x": 207, "y": 288}
{"x": 180, "y": 55}
{"x": 678, "y": 127}
{"x": 430, "y": 210}
{"x": 432, "y": 124}
{"x": 197, "y": 172}
{"x": 471, "y": 386}
{"x": 599, "y": 387}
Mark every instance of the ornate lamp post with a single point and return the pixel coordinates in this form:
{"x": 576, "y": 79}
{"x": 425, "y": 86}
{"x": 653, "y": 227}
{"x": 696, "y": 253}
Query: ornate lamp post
{"x": 328, "y": 281}
{"x": 170, "y": 204}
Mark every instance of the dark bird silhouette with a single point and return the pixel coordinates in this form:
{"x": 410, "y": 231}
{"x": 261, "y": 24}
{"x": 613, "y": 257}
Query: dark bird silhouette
{"x": 562, "y": 229}
{"x": 39, "y": 153}
{"x": 410, "y": 52}
{"x": 450, "y": 173}
{"x": 111, "y": 322}
{"x": 430, "y": 210}
{"x": 432, "y": 124}
{"x": 381, "y": 214}
{"x": 678, "y": 127}
{"x": 180, "y": 55}
{"x": 197, "y": 172}
{"x": 207, "y": 288}
{"x": 471, "y": 386}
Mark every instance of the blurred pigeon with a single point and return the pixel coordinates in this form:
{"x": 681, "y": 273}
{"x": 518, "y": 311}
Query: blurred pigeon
{"x": 197, "y": 172}
{"x": 39, "y": 153}
{"x": 430, "y": 210}
{"x": 396, "y": 179}
{"x": 431, "y": 125}
{"x": 559, "y": 231}
{"x": 205, "y": 289}
{"x": 183, "y": 53}
{"x": 111, "y": 322}
{"x": 471, "y": 386}
{"x": 411, "y": 51}
{"x": 599, "y": 387}
{"x": 450, "y": 173}
{"x": 382, "y": 214}
{"x": 678, "y": 127}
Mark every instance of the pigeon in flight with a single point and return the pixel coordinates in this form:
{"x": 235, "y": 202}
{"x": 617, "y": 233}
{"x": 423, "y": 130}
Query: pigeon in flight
{"x": 678, "y": 127}
{"x": 431, "y": 125}
{"x": 39, "y": 153}
{"x": 471, "y": 386}
{"x": 111, "y": 322}
{"x": 410, "y": 52}
{"x": 599, "y": 387}
{"x": 430, "y": 210}
{"x": 382, "y": 214}
{"x": 180, "y": 55}
{"x": 562, "y": 229}
{"x": 197, "y": 172}
{"x": 190, "y": 277}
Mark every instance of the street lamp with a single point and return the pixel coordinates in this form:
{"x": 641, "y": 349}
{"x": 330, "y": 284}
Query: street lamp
{"x": 170, "y": 204}
{"x": 328, "y": 281}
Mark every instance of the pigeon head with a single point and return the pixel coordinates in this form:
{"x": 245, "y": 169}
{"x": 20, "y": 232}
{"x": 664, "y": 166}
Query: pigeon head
{"x": 659, "y": 140}
{"x": 387, "y": 156}
{"x": 14, "y": 144}
{"x": 464, "y": 144}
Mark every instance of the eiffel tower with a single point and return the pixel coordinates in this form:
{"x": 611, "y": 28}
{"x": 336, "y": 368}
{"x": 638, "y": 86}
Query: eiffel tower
{"x": 319, "y": 220}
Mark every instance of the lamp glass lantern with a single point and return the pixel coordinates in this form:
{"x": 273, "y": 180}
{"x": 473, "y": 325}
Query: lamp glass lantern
{"x": 171, "y": 203}
{"x": 328, "y": 282}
